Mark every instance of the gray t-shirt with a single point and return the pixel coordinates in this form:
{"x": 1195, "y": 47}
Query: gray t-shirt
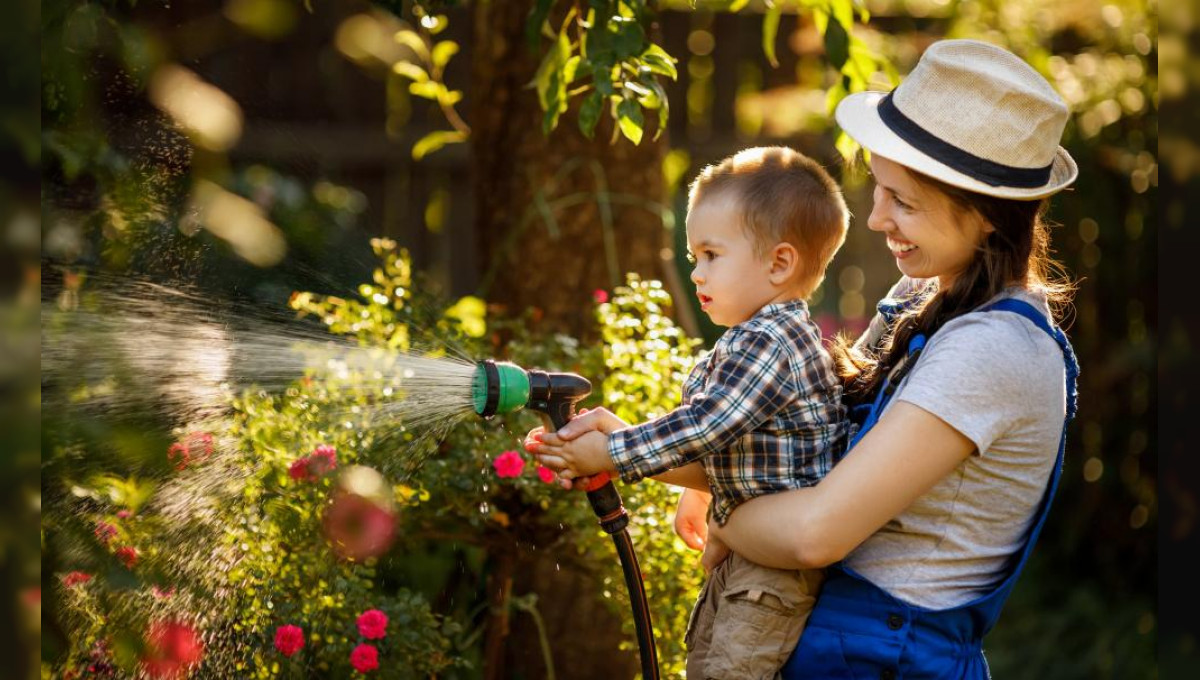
{"x": 999, "y": 380}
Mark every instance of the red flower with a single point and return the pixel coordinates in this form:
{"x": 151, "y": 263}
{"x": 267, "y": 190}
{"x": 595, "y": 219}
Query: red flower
{"x": 545, "y": 474}
{"x": 178, "y": 455}
{"x": 105, "y": 532}
{"x": 372, "y": 624}
{"x": 128, "y": 555}
{"x": 75, "y": 578}
{"x": 172, "y": 648}
{"x": 364, "y": 658}
{"x": 358, "y": 527}
{"x": 323, "y": 460}
{"x": 509, "y": 464}
{"x": 298, "y": 470}
{"x": 194, "y": 447}
{"x": 600, "y": 296}
{"x": 289, "y": 639}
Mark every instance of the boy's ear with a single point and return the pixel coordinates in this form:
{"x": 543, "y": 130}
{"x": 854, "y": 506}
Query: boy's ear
{"x": 785, "y": 261}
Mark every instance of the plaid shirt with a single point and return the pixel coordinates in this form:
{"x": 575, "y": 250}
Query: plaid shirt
{"x": 763, "y": 412}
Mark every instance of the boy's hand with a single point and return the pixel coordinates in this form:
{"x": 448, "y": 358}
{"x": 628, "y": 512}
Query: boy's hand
{"x": 587, "y": 454}
{"x": 715, "y": 552}
{"x": 691, "y": 518}
{"x": 597, "y": 419}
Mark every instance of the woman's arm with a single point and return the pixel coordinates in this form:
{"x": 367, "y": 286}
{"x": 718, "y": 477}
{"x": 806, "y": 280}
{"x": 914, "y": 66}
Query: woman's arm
{"x": 903, "y": 456}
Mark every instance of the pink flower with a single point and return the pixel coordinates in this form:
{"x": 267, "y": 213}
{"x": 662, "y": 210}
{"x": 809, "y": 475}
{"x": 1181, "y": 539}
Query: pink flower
{"x": 364, "y": 658}
{"x": 372, "y": 624}
{"x": 298, "y": 470}
{"x": 600, "y": 296}
{"x": 545, "y": 474}
{"x": 171, "y": 649}
{"x": 178, "y": 455}
{"x": 124, "y": 514}
{"x": 358, "y": 527}
{"x": 322, "y": 460}
{"x": 75, "y": 578}
{"x": 105, "y": 532}
{"x": 509, "y": 464}
{"x": 128, "y": 555}
{"x": 289, "y": 639}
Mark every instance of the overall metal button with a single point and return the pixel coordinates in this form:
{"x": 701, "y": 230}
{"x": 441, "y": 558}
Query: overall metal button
{"x": 895, "y": 622}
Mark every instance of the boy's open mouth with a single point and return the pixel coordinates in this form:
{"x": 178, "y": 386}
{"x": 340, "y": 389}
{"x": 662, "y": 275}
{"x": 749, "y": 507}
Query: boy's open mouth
{"x": 704, "y": 300}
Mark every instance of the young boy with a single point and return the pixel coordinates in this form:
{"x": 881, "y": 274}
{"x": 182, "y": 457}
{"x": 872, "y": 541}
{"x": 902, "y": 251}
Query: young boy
{"x": 762, "y": 412}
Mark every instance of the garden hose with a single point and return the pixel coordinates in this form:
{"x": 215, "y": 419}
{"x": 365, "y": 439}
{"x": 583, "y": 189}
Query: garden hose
{"x": 503, "y": 387}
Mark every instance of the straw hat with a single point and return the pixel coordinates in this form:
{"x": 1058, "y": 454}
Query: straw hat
{"x": 972, "y": 115}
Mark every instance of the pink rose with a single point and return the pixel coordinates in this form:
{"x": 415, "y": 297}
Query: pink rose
{"x": 545, "y": 474}
{"x": 600, "y": 296}
{"x": 75, "y": 578}
{"x": 364, "y": 658}
{"x": 358, "y": 527}
{"x": 289, "y": 639}
{"x": 105, "y": 532}
{"x": 509, "y": 464}
{"x": 372, "y": 624}
{"x": 128, "y": 556}
{"x": 124, "y": 514}
{"x": 171, "y": 649}
{"x": 322, "y": 460}
{"x": 298, "y": 470}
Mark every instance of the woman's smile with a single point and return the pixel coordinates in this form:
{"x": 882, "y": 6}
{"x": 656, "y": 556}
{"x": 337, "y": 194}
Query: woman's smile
{"x": 900, "y": 249}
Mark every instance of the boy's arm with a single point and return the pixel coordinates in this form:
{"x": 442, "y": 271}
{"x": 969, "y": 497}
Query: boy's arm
{"x": 690, "y": 476}
{"x": 748, "y": 386}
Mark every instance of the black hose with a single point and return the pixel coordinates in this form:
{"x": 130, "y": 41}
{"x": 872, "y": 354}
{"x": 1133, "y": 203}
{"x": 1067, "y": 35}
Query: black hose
{"x": 641, "y": 608}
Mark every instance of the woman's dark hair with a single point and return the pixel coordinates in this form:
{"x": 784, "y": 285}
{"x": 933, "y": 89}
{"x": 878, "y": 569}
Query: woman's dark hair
{"x": 1017, "y": 251}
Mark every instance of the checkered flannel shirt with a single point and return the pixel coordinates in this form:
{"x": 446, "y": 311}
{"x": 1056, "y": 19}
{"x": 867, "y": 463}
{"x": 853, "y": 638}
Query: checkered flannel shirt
{"x": 763, "y": 412}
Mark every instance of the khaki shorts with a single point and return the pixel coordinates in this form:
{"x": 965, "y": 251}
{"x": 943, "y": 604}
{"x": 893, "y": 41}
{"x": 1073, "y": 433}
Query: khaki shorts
{"x": 747, "y": 620}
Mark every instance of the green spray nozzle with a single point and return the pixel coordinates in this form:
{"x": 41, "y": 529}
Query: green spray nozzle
{"x": 503, "y": 387}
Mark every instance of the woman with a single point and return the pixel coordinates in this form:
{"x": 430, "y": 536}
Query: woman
{"x": 963, "y": 383}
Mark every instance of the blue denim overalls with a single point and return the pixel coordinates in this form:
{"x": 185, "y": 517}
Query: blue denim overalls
{"x": 859, "y": 631}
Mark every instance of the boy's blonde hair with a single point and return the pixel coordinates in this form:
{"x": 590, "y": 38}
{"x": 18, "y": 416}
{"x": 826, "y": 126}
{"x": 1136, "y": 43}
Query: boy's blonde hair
{"x": 782, "y": 195}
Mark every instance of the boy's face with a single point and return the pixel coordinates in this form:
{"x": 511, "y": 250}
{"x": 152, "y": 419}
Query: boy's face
{"x": 732, "y": 281}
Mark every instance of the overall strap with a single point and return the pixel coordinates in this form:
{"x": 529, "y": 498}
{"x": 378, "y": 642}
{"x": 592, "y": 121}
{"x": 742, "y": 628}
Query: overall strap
{"x": 1072, "y": 369}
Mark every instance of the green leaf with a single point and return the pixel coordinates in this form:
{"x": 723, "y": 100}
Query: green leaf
{"x": 664, "y": 105}
{"x": 589, "y": 113}
{"x": 628, "y": 38}
{"x": 434, "y": 141}
{"x": 550, "y": 87}
{"x": 629, "y": 119}
{"x": 602, "y": 77}
{"x": 659, "y": 61}
{"x": 535, "y": 22}
{"x": 442, "y": 52}
{"x": 410, "y": 70}
{"x": 770, "y": 30}
{"x": 837, "y": 44}
{"x": 737, "y": 5}
{"x": 411, "y": 40}
{"x": 430, "y": 89}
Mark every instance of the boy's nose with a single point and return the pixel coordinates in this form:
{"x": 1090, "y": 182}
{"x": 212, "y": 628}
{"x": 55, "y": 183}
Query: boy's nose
{"x": 697, "y": 277}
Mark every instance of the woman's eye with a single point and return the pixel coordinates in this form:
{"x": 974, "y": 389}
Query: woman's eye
{"x": 901, "y": 204}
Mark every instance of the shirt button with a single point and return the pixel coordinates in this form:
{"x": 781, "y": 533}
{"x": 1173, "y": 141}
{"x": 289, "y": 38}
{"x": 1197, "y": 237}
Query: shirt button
{"x": 888, "y": 674}
{"x": 895, "y": 622}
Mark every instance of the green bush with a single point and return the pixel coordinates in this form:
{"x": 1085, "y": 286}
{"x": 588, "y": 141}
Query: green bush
{"x": 228, "y": 531}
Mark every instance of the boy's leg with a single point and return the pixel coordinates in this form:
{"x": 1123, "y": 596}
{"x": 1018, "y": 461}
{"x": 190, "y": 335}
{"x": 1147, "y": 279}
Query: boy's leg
{"x": 698, "y": 638}
{"x": 757, "y": 619}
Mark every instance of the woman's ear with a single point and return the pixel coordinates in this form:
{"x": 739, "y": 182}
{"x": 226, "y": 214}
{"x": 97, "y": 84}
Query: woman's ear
{"x": 785, "y": 262}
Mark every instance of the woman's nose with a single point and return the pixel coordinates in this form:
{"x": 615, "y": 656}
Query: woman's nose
{"x": 877, "y": 220}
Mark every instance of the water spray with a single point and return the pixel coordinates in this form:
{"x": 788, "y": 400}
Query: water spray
{"x": 503, "y": 387}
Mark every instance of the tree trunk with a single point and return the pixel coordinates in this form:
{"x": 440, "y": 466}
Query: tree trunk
{"x": 539, "y": 257}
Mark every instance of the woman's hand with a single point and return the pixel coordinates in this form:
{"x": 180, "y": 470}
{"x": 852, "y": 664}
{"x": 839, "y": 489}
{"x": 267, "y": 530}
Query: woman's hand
{"x": 691, "y": 518}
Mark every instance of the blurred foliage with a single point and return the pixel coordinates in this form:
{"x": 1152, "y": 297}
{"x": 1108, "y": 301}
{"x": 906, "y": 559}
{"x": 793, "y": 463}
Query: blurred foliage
{"x": 233, "y": 544}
